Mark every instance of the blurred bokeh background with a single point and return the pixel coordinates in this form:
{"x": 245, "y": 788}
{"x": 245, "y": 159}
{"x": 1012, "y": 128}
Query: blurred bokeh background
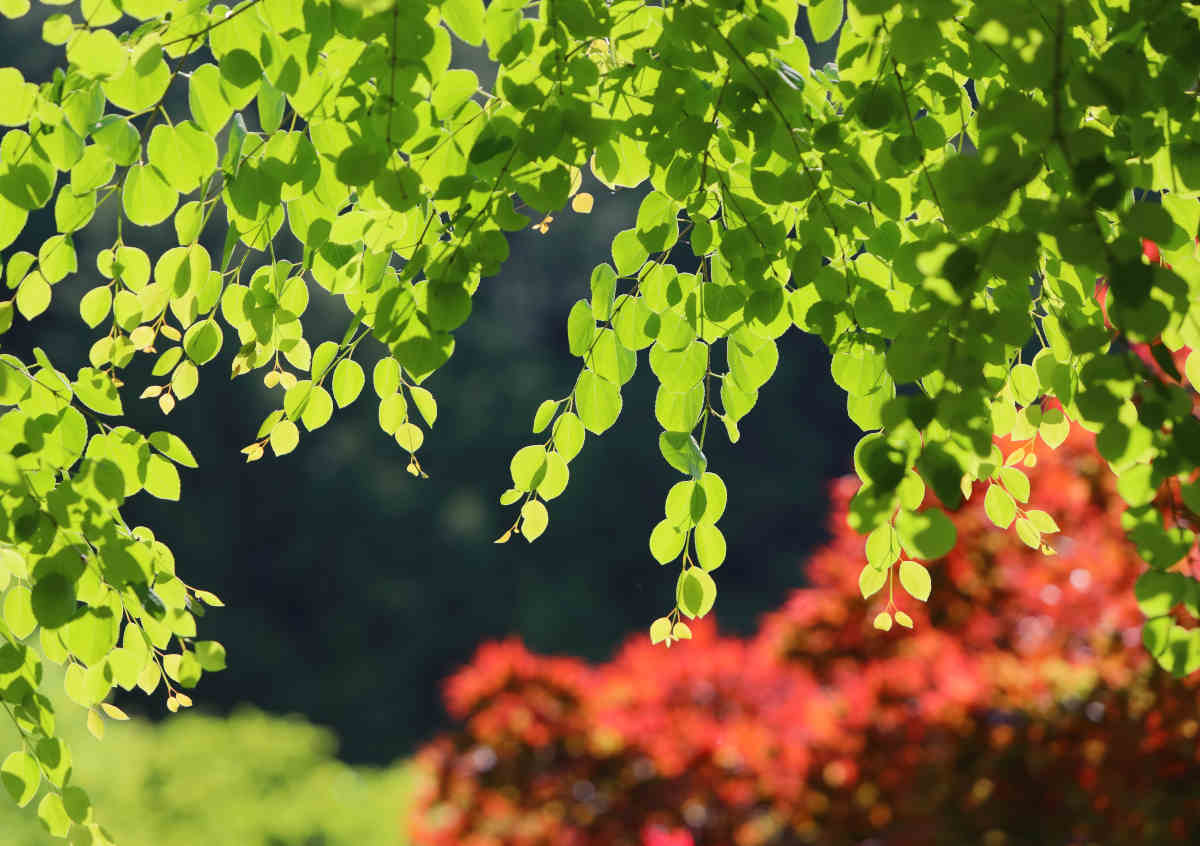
{"x": 352, "y": 589}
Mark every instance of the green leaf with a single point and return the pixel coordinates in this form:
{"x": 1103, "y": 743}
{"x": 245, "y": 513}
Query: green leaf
{"x": 568, "y": 434}
{"x": 628, "y": 252}
{"x": 12, "y": 221}
{"x": 118, "y": 140}
{"x": 184, "y": 154}
{"x": 687, "y": 504}
{"x": 19, "y": 613}
{"x": 210, "y": 655}
{"x": 465, "y": 19}
{"x": 271, "y": 103}
{"x": 679, "y": 370}
{"x": 98, "y": 54}
{"x": 1025, "y": 384}
{"x": 318, "y": 410}
{"x": 1158, "y": 592}
{"x": 173, "y": 447}
{"x": 97, "y": 391}
{"x": 425, "y": 403}
{"x": 57, "y": 259}
{"x": 752, "y": 360}
{"x": 555, "y": 478}
{"x": 1016, "y": 482}
{"x": 393, "y": 412}
{"x": 1028, "y": 533}
{"x": 904, "y": 620}
{"x": 858, "y": 367}
{"x": 660, "y": 630}
{"x": 696, "y": 592}
{"x": 882, "y": 621}
{"x": 21, "y": 777}
{"x": 581, "y": 328}
{"x": 284, "y": 437}
{"x": 914, "y": 578}
{"x": 710, "y": 546}
{"x": 17, "y": 105}
{"x": 185, "y": 379}
{"x": 534, "y": 519}
{"x": 1054, "y": 428}
{"x": 13, "y": 8}
{"x": 76, "y": 803}
{"x": 1042, "y": 521}
{"x": 598, "y": 402}
{"x": 633, "y": 321}
{"x": 666, "y": 541}
{"x": 882, "y": 547}
{"x": 33, "y": 297}
{"x": 348, "y": 381}
{"x": 683, "y": 453}
{"x": 928, "y": 534}
{"x": 141, "y": 86}
{"x": 385, "y": 378}
{"x": 999, "y": 505}
{"x": 870, "y": 580}
{"x": 824, "y": 18}
{"x": 1176, "y": 649}
{"x": 609, "y": 360}
{"x": 322, "y": 357}
{"x": 545, "y": 413}
{"x": 715, "y": 496}
{"x": 528, "y": 467}
{"x": 146, "y": 197}
{"x": 52, "y": 600}
{"x": 53, "y": 815}
{"x": 162, "y": 479}
{"x": 203, "y": 341}
{"x": 679, "y": 411}
{"x": 604, "y": 290}
{"x": 453, "y": 91}
{"x": 206, "y": 99}
{"x": 93, "y": 634}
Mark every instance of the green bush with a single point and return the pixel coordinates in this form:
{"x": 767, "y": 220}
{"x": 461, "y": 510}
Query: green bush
{"x": 248, "y": 780}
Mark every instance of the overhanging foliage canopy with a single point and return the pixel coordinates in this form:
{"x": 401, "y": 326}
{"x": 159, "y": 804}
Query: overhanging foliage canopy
{"x": 937, "y": 206}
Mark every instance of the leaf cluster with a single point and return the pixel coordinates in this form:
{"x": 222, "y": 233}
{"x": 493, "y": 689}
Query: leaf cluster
{"x": 937, "y": 206}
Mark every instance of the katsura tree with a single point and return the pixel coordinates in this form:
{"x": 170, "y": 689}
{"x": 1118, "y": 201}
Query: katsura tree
{"x": 937, "y": 205}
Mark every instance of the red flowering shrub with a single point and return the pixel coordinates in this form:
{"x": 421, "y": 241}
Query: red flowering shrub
{"x": 1022, "y": 709}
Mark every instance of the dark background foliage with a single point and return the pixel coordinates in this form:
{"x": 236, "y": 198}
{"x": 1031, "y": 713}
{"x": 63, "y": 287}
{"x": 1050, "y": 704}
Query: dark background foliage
{"x": 353, "y": 589}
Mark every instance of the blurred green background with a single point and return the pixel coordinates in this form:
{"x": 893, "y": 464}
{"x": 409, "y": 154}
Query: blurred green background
{"x": 249, "y": 779}
{"x": 353, "y": 589}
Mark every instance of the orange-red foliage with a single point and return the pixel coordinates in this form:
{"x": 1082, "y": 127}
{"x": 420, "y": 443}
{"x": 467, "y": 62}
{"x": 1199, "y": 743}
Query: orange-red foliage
{"x": 1022, "y": 710}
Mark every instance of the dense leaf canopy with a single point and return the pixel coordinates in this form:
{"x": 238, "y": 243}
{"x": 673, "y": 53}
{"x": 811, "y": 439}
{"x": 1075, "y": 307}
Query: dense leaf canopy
{"x": 938, "y": 206}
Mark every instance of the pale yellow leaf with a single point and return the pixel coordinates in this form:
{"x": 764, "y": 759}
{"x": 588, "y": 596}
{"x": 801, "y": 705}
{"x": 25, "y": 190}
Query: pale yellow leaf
{"x": 113, "y": 711}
